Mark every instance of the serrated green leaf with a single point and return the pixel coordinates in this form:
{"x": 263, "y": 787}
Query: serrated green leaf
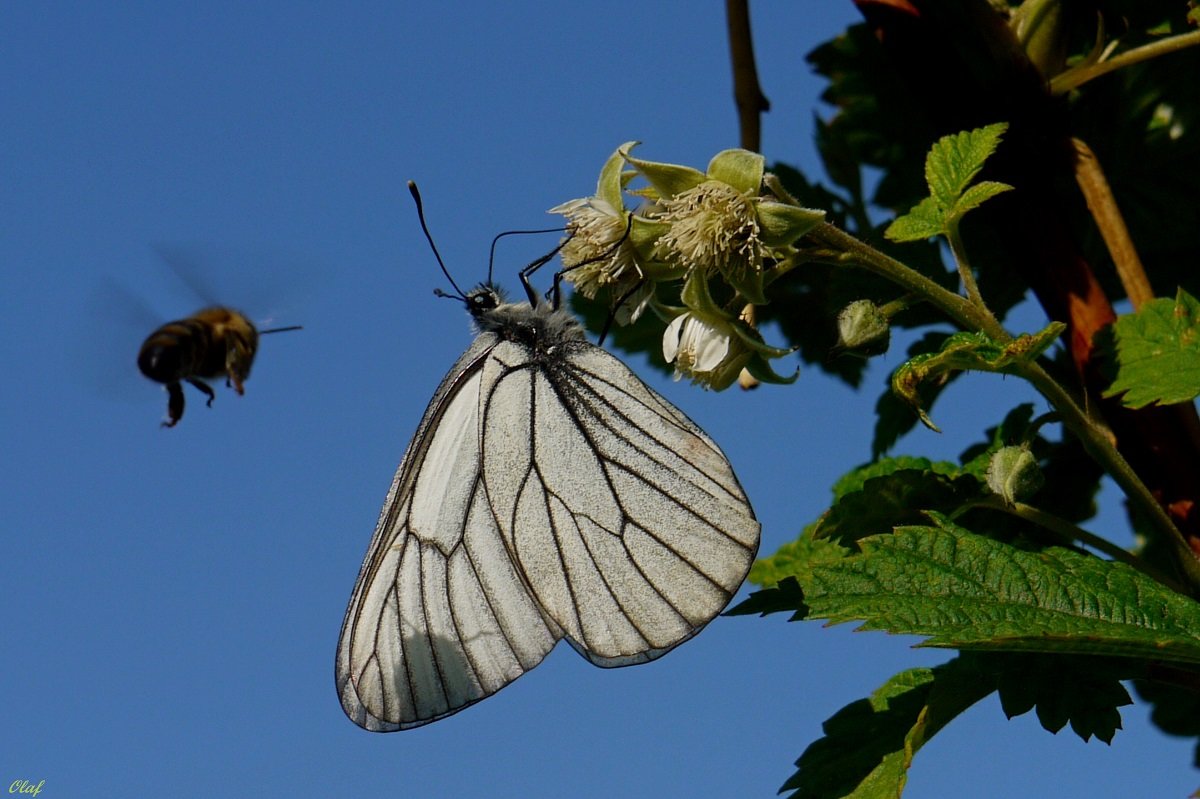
{"x": 869, "y": 744}
{"x": 969, "y": 351}
{"x": 926, "y": 220}
{"x": 855, "y": 479}
{"x": 970, "y": 592}
{"x": 786, "y": 596}
{"x": 1085, "y": 692}
{"x": 951, "y": 165}
{"x": 955, "y": 160}
{"x": 976, "y": 195}
{"x": 1157, "y": 353}
{"x": 897, "y": 498}
{"x": 796, "y": 559}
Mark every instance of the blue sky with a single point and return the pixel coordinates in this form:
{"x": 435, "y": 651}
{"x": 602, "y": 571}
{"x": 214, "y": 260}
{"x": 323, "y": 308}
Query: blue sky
{"x": 171, "y": 599}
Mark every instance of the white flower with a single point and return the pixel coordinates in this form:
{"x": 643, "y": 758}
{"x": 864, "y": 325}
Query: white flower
{"x": 598, "y": 253}
{"x": 714, "y": 228}
{"x": 708, "y": 352}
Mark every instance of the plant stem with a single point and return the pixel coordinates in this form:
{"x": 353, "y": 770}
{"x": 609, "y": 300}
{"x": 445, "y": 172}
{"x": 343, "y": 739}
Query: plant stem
{"x": 852, "y": 251}
{"x": 1107, "y": 216}
{"x": 1072, "y": 533}
{"x": 972, "y": 317}
{"x": 964, "y": 266}
{"x": 1076, "y": 77}
{"x": 747, "y": 92}
{"x": 1099, "y": 443}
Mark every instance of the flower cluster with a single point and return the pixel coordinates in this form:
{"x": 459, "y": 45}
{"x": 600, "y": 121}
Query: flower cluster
{"x": 712, "y": 234}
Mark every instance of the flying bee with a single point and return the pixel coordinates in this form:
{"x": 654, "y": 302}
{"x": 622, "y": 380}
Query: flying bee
{"x": 211, "y": 343}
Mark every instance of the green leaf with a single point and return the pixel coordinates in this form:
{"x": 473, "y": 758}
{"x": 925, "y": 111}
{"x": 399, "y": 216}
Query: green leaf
{"x": 969, "y": 592}
{"x": 796, "y": 559}
{"x": 926, "y": 220}
{"x": 1157, "y": 353}
{"x": 856, "y": 479}
{"x": 976, "y": 195}
{"x": 1084, "y": 692}
{"x": 955, "y": 160}
{"x": 896, "y": 498}
{"x": 786, "y": 596}
{"x": 969, "y": 351}
{"x": 869, "y": 745}
{"x": 952, "y": 163}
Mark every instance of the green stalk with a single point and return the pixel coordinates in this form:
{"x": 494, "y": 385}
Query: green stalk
{"x": 1077, "y": 76}
{"x": 1071, "y": 533}
{"x": 974, "y": 317}
{"x": 1099, "y": 443}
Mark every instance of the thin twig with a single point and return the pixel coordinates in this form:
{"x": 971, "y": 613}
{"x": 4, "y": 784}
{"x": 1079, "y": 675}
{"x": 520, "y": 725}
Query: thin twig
{"x": 1103, "y": 206}
{"x": 1074, "y": 78}
{"x": 751, "y": 103}
{"x": 747, "y": 94}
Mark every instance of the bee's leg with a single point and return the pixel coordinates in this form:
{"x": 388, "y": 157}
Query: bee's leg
{"x": 205, "y": 388}
{"x": 174, "y": 404}
{"x": 237, "y": 369}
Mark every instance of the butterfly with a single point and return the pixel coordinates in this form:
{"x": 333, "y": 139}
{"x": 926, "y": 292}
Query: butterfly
{"x": 548, "y": 493}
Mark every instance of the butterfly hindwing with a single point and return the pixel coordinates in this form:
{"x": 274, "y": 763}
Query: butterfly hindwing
{"x": 624, "y": 517}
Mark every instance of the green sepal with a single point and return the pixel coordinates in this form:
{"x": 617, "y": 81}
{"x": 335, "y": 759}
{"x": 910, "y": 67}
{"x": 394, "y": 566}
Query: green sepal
{"x": 754, "y": 341}
{"x": 696, "y": 297}
{"x": 781, "y": 224}
{"x": 760, "y": 368}
{"x": 749, "y": 284}
{"x": 666, "y": 179}
{"x": 612, "y": 180}
{"x": 741, "y": 169}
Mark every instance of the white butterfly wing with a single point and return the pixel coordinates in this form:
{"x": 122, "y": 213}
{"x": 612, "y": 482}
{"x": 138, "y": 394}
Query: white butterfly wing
{"x": 624, "y": 517}
{"x": 439, "y": 617}
{"x": 548, "y": 492}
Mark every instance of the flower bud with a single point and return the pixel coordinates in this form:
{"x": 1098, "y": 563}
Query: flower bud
{"x": 863, "y": 328}
{"x": 1014, "y": 474}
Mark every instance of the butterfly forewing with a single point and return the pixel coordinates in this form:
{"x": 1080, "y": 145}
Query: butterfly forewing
{"x": 439, "y": 618}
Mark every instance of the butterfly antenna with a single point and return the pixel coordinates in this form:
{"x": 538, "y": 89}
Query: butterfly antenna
{"x": 556, "y": 289}
{"x": 492, "y": 254}
{"x": 412, "y": 188}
